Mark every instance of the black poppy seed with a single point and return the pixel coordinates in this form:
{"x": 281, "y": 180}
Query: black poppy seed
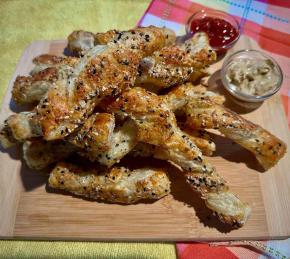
{"x": 61, "y": 182}
{"x": 85, "y": 187}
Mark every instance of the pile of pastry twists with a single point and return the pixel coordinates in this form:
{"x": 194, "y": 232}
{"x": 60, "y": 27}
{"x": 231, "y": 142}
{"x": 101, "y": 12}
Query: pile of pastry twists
{"x": 130, "y": 93}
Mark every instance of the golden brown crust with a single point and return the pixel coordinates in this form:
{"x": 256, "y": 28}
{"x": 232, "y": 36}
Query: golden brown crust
{"x": 53, "y": 60}
{"x": 202, "y": 113}
{"x": 24, "y": 125}
{"x": 96, "y": 134}
{"x": 182, "y": 94}
{"x": 202, "y": 140}
{"x": 156, "y": 125}
{"x": 97, "y": 75}
{"x": 29, "y": 89}
{"x": 177, "y": 64}
{"x": 123, "y": 140}
{"x": 103, "y": 38}
{"x": 111, "y": 185}
{"x": 139, "y": 39}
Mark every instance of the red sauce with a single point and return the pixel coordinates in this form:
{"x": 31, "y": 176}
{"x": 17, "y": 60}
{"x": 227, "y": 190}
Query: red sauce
{"x": 220, "y": 32}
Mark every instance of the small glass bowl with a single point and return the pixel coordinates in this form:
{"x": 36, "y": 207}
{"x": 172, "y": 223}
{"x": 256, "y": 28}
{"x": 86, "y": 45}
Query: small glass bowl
{"x": 215, "y": 14}
{"x": 255, "y": 55}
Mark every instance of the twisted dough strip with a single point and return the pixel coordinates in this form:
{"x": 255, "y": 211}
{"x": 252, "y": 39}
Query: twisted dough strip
{"x": 157, "y": 126}
{"x": 203, "y": 113}
{"x": 112, "y": 185}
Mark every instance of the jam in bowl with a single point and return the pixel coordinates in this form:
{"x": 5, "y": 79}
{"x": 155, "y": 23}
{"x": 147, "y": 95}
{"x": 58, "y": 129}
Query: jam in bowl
{"x": 222, "y": 29}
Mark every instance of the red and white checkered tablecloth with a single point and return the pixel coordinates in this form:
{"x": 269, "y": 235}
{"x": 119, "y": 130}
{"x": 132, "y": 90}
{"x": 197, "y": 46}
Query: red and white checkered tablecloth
{"x": 267, "y": 22}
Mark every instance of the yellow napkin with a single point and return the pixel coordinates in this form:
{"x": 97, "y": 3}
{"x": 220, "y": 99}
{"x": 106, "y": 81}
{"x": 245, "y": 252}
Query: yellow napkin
{"x": 24, "y": 21}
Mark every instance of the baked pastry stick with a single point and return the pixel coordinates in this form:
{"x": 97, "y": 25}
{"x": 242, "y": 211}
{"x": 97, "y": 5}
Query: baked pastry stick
{"x": 30, "y": 89}
{"x": 99, "y": 140}
{"x": 180, "y": 95}
{"x": 101, "y": 72}
{"x": 112, "y": 185}
{"x": 47, "y": 71}
{"x": 20, "y": 127}
{"x": 175, "y": 65}
{"x": 211, "y": 187}
{"x": 157, "y": 126}
{"x": 169, "y": 66}
{"x": 203, "y": 113}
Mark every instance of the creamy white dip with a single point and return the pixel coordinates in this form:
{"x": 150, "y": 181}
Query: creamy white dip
{"x": 253, "y": 77}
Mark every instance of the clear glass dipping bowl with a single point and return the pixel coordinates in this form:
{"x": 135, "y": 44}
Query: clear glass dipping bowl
{"x": 255, "y": 55}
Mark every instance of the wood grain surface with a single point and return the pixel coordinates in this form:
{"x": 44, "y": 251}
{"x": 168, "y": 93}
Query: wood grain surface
{"x": 28, "y": 209}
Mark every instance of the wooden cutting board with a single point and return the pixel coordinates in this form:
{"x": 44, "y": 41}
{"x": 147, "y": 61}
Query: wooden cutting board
{"x": 28, "y": 210}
